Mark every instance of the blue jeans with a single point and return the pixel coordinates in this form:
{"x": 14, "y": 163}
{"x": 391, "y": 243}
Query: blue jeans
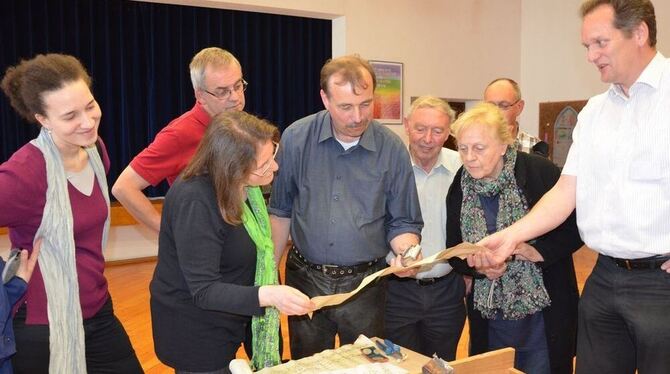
{"x": 533, "y": 362}
{"x": 624, "y": 321}
{"x": 527, "y": 337}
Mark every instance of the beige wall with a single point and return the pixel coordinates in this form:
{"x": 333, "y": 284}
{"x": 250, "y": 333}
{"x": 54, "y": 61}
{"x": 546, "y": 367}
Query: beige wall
{"x": 445, "y": 46}
{"x": 553, "y": 61}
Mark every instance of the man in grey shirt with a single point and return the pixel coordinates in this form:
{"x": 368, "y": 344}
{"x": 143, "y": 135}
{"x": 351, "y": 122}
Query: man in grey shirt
{"x": 345, "y": 191}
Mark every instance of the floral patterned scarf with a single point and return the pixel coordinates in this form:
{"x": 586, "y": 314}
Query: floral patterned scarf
{"x": 520, "y": 291}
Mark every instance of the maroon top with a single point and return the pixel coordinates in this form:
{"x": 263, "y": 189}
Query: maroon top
{"x": 23, "y": 188}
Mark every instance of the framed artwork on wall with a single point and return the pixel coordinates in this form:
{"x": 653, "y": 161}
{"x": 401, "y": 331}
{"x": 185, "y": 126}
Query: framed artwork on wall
{"x": 388, "y": 93}
{"x": 559, "y": 119}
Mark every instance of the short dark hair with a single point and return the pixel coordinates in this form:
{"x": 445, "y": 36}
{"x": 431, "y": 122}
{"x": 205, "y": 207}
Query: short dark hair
{"x": 26, "y": 83}
{"x": 351, "y": 69}
{"x": 227, "y": 154}
{"x": 627, "y": 15}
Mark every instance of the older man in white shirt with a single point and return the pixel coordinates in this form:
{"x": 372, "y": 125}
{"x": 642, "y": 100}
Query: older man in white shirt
{"x": 426, "y": 314}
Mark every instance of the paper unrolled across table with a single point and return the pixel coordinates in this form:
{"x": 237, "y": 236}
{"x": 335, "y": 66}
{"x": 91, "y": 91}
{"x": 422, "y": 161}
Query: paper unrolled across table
{"x": 460, "y": 250}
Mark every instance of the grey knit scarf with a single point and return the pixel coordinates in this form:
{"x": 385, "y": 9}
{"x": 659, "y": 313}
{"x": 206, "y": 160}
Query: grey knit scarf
{"x": 57, "y": 259}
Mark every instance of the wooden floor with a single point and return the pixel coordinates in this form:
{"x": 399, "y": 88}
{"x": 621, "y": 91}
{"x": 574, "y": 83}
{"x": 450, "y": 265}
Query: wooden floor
{"x": 129, "y": 284}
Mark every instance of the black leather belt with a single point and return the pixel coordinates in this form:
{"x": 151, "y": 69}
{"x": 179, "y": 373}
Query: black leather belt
{"x": 336, "y": 270}
{"x": 647, "y": 263}
{"x": 429, "y": 281}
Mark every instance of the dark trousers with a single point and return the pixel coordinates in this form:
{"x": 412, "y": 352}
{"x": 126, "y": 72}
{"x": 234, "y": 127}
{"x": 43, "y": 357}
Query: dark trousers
{"x": 108, "y": 348}
{"x": 426, "y": 318}
{"x": 362, "y": 314}
{"x": 624, "y": 321}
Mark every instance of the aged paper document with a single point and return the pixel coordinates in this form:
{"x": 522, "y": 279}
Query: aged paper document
{"x": 346, "y": 359}
{"x": 460, "y": 250}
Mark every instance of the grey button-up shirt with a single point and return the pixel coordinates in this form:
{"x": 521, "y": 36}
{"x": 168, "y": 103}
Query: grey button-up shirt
{"x": 345, "y": 206}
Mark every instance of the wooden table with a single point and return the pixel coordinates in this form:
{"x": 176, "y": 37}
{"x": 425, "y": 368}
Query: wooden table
{"x": 500, "y": 361}
{"x": 496, "y": 362}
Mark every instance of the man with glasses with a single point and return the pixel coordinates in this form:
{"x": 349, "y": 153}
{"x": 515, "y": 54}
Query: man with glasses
{"x": 218, "y": 85}
{"x": 506, "y": 95}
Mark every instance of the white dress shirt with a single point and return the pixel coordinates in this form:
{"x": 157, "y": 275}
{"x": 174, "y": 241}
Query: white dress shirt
{"x": 621, "y": 157}
{"x": 432, "y": 188}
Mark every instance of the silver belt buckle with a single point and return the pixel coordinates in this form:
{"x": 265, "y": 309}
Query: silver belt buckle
{"x": 336, "y": 270}
{"x": 325, "y": 269}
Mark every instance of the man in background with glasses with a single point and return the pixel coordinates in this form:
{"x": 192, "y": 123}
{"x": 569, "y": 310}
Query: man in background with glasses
{"x": 218, "y": 86}
{"x": 506, "y": 95}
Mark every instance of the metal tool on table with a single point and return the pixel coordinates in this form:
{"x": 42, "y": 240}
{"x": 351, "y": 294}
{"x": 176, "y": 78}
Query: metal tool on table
{"x": 371, "y": 354}
{"x": 391, "y": 349}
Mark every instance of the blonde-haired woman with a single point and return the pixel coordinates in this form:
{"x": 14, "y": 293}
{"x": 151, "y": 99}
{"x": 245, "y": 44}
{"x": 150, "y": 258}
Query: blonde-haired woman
{"x": 530, "y": 302}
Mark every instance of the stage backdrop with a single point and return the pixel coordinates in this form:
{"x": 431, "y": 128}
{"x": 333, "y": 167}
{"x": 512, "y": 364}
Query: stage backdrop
{"x": 138, "y": 55}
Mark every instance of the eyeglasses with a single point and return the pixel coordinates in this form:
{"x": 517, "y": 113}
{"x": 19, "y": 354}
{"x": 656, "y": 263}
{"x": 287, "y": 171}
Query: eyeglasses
{"x": 224, "y": 93}
{"x": 504, "y": 105}
{"x": 262, "y": 171}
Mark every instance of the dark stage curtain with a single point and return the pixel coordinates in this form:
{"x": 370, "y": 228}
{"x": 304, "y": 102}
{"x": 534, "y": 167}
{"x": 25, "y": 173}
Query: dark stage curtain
{"x": 138, "y": 55}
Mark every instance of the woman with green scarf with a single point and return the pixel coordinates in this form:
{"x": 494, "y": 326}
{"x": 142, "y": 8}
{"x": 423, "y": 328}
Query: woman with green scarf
{"x": 216, "y": 271}
{"x": 530, "y": 302}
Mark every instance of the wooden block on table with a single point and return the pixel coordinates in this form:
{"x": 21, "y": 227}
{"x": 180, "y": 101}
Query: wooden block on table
{"x": 500, "y": 361}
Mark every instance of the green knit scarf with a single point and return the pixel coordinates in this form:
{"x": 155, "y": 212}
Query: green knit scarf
{"x": 520, "y": 291}
{"x": 265, "y": 328}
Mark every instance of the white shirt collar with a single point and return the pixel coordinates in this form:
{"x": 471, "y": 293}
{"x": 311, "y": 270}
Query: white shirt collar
{"x": 444, "y": 161}
{"x": 650, "y": 76}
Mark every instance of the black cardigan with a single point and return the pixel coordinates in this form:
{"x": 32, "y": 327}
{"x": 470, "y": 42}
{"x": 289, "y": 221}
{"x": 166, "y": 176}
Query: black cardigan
{"x": 534, "y": 176}
{"x": 202, "y": 292}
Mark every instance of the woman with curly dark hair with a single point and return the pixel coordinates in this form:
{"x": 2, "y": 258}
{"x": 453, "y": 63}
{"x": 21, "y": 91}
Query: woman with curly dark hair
{"x": 54, "y": 188}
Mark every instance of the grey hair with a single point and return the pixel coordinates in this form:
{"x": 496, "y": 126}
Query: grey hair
{"x": 213, "y": 56}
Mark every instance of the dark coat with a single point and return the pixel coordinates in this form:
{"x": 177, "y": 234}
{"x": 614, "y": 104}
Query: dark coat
{"x": 534, "y": 176}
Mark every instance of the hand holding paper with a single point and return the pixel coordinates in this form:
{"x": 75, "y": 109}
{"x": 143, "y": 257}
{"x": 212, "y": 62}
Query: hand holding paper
{"x": 461, "y": 250}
